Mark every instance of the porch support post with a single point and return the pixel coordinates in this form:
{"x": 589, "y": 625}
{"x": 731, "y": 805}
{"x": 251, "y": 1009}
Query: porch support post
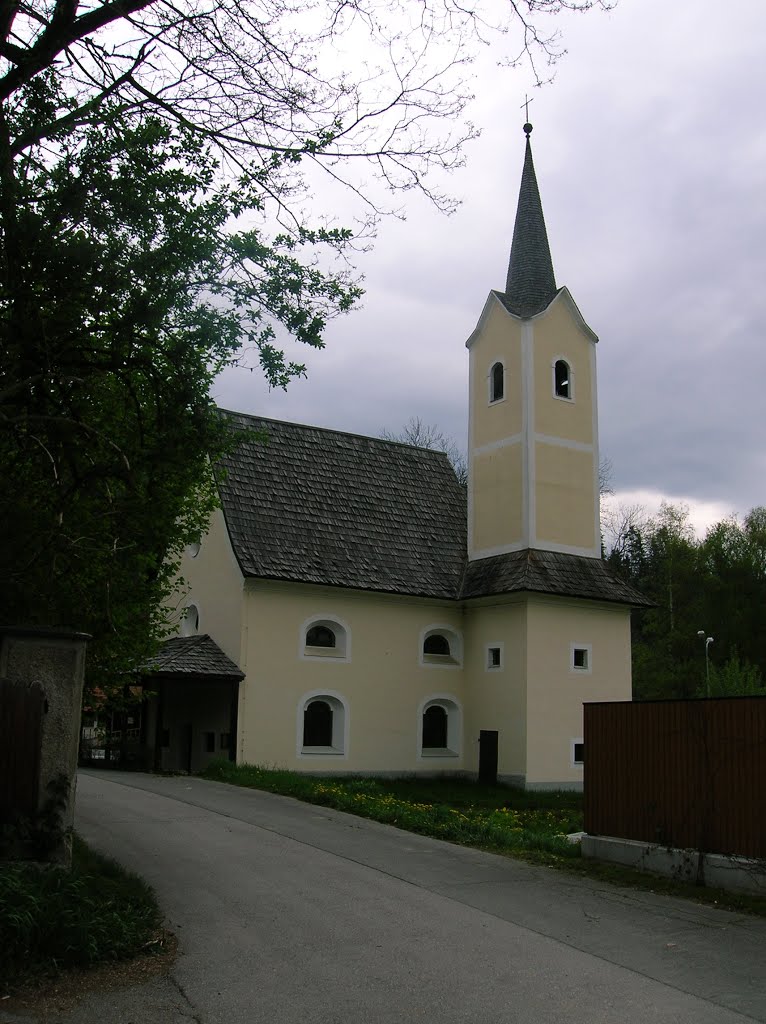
{"x": 158, "y": 725}
{"x": 233, "y": 720}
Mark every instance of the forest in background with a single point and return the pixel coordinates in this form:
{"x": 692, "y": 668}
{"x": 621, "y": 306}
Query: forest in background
{"x": 714, "y": 586}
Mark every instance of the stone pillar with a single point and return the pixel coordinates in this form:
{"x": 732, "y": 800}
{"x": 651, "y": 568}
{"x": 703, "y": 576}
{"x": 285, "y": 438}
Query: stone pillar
{"x": 54, "y": 659}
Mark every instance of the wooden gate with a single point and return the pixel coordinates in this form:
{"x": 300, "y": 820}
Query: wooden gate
{"x": 21, "y": 726}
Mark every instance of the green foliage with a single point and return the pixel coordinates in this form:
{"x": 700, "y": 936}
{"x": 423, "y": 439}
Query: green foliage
{"x": 716, "y": 585}
{"x": 40, "y": 835}
{"x": 53, "y": 918}
{"x": 734, "y": 678}
{"x": 498, "y": 818}
{"x": 123, "y": 291}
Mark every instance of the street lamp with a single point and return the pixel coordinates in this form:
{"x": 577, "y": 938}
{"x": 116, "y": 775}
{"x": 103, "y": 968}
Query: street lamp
{"x": 708, "y": 641}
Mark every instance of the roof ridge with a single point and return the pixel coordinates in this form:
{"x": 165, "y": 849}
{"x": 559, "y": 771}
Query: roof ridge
{"x": 333, "y": 430}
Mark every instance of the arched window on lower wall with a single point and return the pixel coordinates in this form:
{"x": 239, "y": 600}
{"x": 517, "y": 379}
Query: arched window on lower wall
{"x": 317, "y": 724}
{"x": 322, "y": 725}
{"x": 440, "y": 728}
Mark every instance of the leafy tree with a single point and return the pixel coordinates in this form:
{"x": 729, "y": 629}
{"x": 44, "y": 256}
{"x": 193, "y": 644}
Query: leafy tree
{"x": 115, "y": 319}
{"x": 428, "y": 435}
{"x": 733, "y": 581}
{"x": 155, "y": 160}
{"x": 735, "y": 678}
{"x": 717, "y": 585}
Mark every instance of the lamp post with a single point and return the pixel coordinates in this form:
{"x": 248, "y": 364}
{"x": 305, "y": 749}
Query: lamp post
{"x": 708, "y": 641}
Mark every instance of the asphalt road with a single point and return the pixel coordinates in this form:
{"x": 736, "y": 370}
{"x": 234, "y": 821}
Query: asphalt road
{"x": 289, "y": 913}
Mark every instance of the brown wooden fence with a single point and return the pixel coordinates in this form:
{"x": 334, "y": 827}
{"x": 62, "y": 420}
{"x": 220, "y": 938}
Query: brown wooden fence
{"x": 688, "y": 774}
{"x": 21, "y": 716}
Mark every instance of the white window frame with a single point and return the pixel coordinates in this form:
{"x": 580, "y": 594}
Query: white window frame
{"x": 576, "y": 669}
{"x": 494, "y": 645}
{"x": 187, "y": 629}
{"x": 342, "y": 650}
{"x": 340, "y": 725}
{"x": 454, "y": 727}
{"x": 452, "y": 660}
{"x": 563, "y": 398}
{"x": 490, "y": 399}
{"x": 573, "y": 744}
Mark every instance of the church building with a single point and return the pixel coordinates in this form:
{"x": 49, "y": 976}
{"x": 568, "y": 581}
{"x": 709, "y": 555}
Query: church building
{"x": 354, "y": 609}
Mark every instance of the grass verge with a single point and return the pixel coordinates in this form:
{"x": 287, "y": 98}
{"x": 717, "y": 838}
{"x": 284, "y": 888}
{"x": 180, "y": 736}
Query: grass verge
{"x": 496, "y": 817}
{"x": 532, "y": 825}
{"x": 52, "y": 919}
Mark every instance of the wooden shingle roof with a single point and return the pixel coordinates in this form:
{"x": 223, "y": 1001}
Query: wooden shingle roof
{"x": 310, "y": 505}
{"x": 547, "y": 572}
{"x": 198, "y": 656}
{"x": 530, "y": 285}
{"x": 321, "y": 506}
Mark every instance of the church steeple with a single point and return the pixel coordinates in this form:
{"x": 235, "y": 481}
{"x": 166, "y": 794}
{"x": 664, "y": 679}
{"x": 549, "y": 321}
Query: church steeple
{"x": 533, "y": 426}
{"x": 530, "y": 285}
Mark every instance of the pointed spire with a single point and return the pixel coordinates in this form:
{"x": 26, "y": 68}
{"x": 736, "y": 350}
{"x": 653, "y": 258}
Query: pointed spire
{"x": 530, "y": 285}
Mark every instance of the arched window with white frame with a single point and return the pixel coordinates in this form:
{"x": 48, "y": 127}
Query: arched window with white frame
{"x": 441, "y": 646}
{"x": 440, "y": 727}
{"x": 563, "y": 380}
{"x": 325, "y": 636}
{"x": 322, "y": 724}
{"x": 496, "y": 382}
{"x": 190, "y": 620}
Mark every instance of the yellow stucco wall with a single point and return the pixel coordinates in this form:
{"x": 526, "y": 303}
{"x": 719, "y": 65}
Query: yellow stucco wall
{"x": 496, "y": 699}
{"x": 215, "y": 584}
{"x": 556, "y": 691}
{"x": 497, "y": 339}
{"x": 532, "y": 479}
{"x": 383, "y": 684}
{"x": 496, "y": 479}
{"x": 566, "y": 499}
{"x": 557, "y": 335}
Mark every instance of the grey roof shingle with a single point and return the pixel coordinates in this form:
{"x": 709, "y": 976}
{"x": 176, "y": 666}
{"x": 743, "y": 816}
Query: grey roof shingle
{"x": 531, "y": 284}
{"x": 548, "y": 572}
{"x": 193, "y": 656}
{"x": 321, "y": 506}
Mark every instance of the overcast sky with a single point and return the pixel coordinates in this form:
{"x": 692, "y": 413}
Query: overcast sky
{"x": 650, "y": 151}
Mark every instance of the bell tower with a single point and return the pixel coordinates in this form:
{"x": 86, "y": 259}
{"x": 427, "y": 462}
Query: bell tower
{"x": 533, "y": 425}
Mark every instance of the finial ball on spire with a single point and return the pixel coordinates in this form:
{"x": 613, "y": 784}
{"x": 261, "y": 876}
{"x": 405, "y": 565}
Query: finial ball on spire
{"x": 527, "y": 129}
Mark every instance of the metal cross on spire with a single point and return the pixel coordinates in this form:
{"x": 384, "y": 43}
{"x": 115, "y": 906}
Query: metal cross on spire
{"x": 525, "y": 104}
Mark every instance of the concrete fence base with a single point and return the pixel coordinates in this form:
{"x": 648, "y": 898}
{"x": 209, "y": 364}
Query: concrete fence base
{"x": 710, "y": 869}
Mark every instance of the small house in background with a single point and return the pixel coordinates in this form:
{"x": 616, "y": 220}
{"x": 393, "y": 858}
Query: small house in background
{"x": 354, "y": 609}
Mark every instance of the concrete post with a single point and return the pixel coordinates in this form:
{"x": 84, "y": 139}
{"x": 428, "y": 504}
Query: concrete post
{"x": 55, "y": 660}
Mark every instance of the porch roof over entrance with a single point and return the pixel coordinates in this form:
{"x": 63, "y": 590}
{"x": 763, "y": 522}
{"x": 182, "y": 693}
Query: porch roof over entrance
{"x": 198, "y": 656}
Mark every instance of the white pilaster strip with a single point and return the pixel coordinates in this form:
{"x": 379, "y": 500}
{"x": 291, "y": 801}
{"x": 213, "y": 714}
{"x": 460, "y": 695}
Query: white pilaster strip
{"x": 528, "y": 494}
{"x": 563, "y": 442}
{"x": 469, "y": 522}
{"x": 503, "y": 442}
{"x": 596, "y": 494}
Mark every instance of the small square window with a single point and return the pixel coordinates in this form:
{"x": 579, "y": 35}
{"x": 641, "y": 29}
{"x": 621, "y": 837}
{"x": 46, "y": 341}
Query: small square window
{"x": 581, "y": 657}
{"x": 493, "y": 658}
{"x": 578, "y": 752}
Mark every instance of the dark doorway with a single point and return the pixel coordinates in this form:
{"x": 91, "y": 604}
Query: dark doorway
{"x": 434, "y": 728}
{"x": 488, "y": 756}
{"x": 186, "y": 746}
{"x": 317, "y": 724}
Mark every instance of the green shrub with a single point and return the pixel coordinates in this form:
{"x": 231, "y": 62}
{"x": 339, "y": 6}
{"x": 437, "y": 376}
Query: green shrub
{"x": 52, "y": 918}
